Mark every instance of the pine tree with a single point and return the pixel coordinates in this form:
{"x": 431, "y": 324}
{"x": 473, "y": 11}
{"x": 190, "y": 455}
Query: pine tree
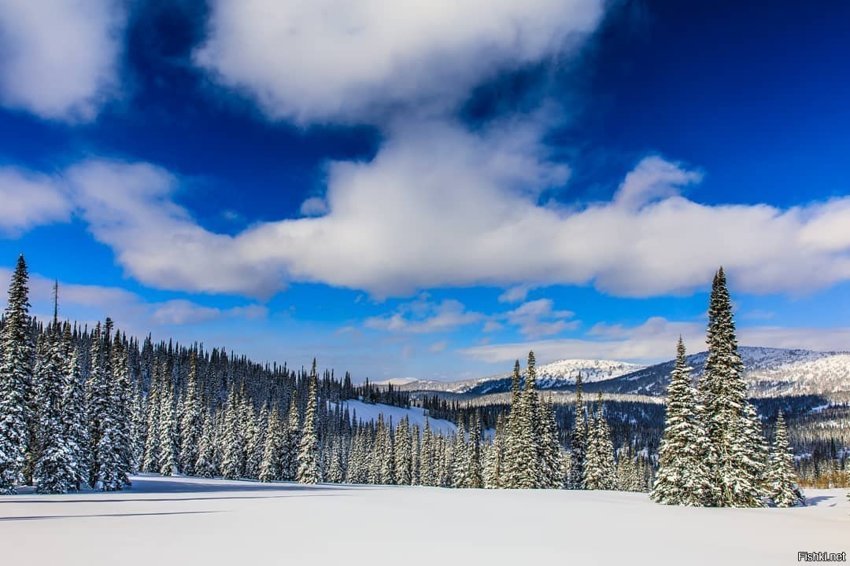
{"x": 403, "y": 453}
{"x": 54, "y": 470}
{"x": 271, "y": 468}
{"x": 120, "y": 394}
{"x": 600, "y": 469}
{"x": 526, "y": 474}
{"x": 551, "y": 460}
{"x": 308, "y": 451}
{"x": 460, "y": 459}
{"x": 474, "y": 471}
{"x": 74, "y": 411}
{"x": 722, "y": 393}
{"x": 684, "y": 477}
{"x": 16, "y": 369}
{"x": 292, "y": 439}
{"x": 749, "y": 459}
{"x": 150, "y": 460}
{"x": 427, "y": 474}
{"x": 167, "y": 426}
{"x": 232, "y": 463}
{"x": 578, "y": 442}
{"x": 494, "y": 458}
{"x": 190, "y": 420}
{"x": 781, "y": 477}
{"x": 205, "y": 465}
{"x": 509, "y": 475}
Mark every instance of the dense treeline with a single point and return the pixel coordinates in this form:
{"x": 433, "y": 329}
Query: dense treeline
{"x": 88, "y": 407}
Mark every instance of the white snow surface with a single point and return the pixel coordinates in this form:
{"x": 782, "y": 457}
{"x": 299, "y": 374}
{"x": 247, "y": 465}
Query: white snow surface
{"x": 367, "y": 412}
{"x": 182, "y": 521}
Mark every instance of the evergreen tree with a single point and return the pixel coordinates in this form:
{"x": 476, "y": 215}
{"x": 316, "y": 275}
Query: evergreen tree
{"x": 551, "y": 460}
{"x": 510, "y": 468}
{"x": 403, "y": 453}
{"x": 722, "y": 393}
{"x": 684, "y": 477}
{"x": 120, "y": 396}
{"x": 781, "y": 477}
{"x": 427, "y": 465}
{"x": 190, "y": 420}
{"x": 526, "y": 464}
{"x": 494, "y": 458}
{"x": 205, "y": 465}
{"x": 292, "y": 439}
{"x": 600, "y": 469}
{"x": 232, "y": 463}
{"x": 474, "y": 472}
{"x": 54, "y": 470}
{"x": 271, "y": 467}
{"x": 16, "y": 369}
{"x": 308, "y": 451}
{"x": 167, "y": 425}
{"x": 578, "y": 442}
{"x": 74, "y": 414}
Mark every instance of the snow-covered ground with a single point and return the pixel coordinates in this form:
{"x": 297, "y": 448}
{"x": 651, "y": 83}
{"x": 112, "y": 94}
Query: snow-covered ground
{"x": 366, "y": 412}
{"x": 183, "y": 521}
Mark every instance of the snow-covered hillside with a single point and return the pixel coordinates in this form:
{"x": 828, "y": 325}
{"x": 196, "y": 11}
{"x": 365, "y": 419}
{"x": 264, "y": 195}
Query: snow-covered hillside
{"x": 769, "y": 372}
{"x": 366, "y": 412}
{"x": 181, "y": 521}
{"x": 555, "y": 375}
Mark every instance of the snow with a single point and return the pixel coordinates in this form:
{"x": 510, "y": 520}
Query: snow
{"x": 166, "y": 521}
{"x": 369, "y": 412}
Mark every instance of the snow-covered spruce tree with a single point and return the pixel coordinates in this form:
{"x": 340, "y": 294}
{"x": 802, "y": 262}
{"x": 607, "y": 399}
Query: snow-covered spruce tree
{"x": 403, "y": 453}
{"x": 205, "y": 466}
{"x": 16, "y": 369}
{"x": 74, "y": 413}
{"x": 474, "y": 468}
{"x": 600, "y": 469}
{"x": 121, "y": 397}
{"x": 460, "y": 462}
{"x": 722, "y": 392}
{"x": 749, "y": 459}
{"x": 551, "y": 459}
{"x": 167, "y": 428}
{"x": 308, "y": 450}
{"x": 190, "y": 420}
{"x": 270, "y": 468}
{"x": 684, "y": 477}
{"x": 526, "y": 474}
{"x": 781, "y": 478}
{"x": 493, "y": 460}
{"x": 232, "y": 464}
{"x": 511, "y": 441}
{"x": 291, "y": 440}
{"x": 578, "y": 442}
{"x": 256, "y": 446}
{"x": 150, "y": 459}
{"x": 387, "y": 454}
{"x": 54, "y": 470}
{"x": 427, "y": 475}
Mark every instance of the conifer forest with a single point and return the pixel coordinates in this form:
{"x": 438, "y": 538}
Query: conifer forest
{"x": 86, "y": 408}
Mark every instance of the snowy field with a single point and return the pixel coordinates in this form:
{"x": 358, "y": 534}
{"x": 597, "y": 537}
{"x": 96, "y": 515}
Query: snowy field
{"x": 366, "y": 412}
{"x": 164, "y": 521}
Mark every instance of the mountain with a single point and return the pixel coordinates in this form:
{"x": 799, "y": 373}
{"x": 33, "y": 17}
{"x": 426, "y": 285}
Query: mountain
{"x": 769, "y": 372}
{"x": 556, "y": 375}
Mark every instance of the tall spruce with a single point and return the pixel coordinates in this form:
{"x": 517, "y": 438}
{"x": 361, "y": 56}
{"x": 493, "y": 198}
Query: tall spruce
{"x": 190, "y": 420}
{"x": 781, "y": 482}
{"x": 684, "y": 477}
{"x": 16, "y": 372}
{"x": 308, "y": 450}
{"x": 578, "y": 442}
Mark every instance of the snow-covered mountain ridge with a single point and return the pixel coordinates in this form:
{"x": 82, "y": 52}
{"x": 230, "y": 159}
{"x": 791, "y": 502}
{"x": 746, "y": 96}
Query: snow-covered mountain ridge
{"x": 769, "y": 372}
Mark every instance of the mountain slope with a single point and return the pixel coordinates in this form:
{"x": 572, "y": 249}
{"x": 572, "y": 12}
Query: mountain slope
{"x": 556, "y": 375}
{"x": 768, "y": 371}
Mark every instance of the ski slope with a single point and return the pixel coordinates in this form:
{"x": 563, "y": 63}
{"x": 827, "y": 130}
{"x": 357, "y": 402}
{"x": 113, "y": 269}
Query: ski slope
{"x": 366, "y": 412}
{"x": 182, "y": 521}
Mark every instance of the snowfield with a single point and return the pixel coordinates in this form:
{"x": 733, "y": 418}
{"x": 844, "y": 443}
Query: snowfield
{"x": 184, "y": 521}
{"x": 366, "y": 412}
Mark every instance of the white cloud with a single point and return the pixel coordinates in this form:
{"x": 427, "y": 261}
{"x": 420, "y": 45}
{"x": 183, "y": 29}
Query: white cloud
{"x": 89, "y": 304}
{"x": 423, "y": 316}
{"x": 538, "y": 318}
{"x": 515, "y": 294}
{"x": 655, "y": 341}
{"x": 59, "y": 59}
{"x": 443, "y": 207}
{"x": 336, "y": 60}
{"x": 30, "y": 200}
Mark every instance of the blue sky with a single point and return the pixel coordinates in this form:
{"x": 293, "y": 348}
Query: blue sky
{"x": 430, "y": 189}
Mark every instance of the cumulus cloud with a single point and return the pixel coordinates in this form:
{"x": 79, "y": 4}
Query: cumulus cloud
{"x": 59, "y": 59}
{"x": 424, "y": 316}
{"x": 30, "y": 200}
{"x": 461, "y": 209}
{"x": 655, "y": 341}
{"x": 336, "y": 60}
